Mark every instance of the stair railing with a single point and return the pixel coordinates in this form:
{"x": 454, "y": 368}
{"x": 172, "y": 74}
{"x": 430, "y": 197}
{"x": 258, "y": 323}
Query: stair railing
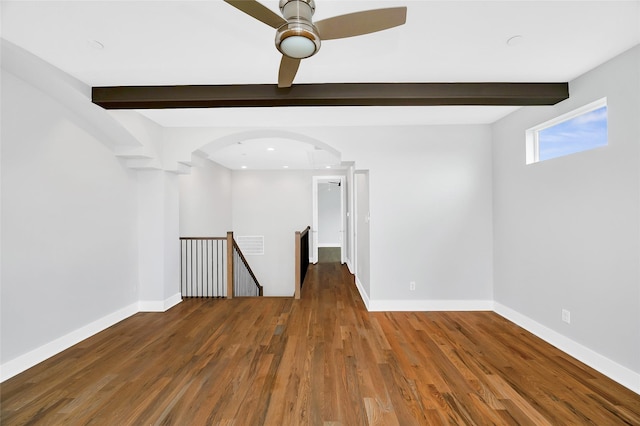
{"x": 215, "y": 267}
{"x": 202, "y": 267}
{"x": 243, "y": 281}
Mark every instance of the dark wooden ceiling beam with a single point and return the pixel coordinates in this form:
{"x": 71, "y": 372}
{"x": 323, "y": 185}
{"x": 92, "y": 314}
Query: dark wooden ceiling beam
{"x": 331, "y": 94}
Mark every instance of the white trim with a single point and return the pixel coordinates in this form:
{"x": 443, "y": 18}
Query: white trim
{"x": 623, "y": 375}
{"x": 172, "y": 301}
{"x": 36, "y": 356}
{"x": 159, "y": 305}
{"x": 315, "y": 180}
{"x": 350, "y": 194}
{"x": 329, "y": 245}
{"x": 350, "y": 267}
{"x": 363, "y": 294}
{"x": 429, "y": 305}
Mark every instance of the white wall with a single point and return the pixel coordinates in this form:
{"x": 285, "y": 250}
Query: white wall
{"x": 158, "y": 240}
{"x": 205, "y": 200}
{"x": 69, "y": 223}
{"x": 274, "y": 204}
{"x": 431, "y": 220}
{"x": 349, "y": 227}
{"x": 567, "y": 230}
{"x": 362, "y": 240}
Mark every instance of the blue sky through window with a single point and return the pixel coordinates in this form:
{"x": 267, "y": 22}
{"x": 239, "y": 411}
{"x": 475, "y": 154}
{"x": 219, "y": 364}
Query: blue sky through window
{"x": 581, "y": 133}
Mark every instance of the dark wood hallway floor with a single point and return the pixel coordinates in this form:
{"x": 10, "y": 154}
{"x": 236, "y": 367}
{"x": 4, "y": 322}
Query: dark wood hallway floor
{"x": 321, "y": 360}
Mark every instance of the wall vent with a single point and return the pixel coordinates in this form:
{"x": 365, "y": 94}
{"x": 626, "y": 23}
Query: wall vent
{"x": 251, "y": 245}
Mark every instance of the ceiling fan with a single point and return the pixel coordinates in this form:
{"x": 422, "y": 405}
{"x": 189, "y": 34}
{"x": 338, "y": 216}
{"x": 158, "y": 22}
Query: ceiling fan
{"x": 298, "y": 37}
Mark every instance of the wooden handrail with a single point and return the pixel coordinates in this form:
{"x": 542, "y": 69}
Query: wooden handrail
{"x": 305, "y": 232}
{"x": 300, "y": 268}
{"x": 246, "y": 264}
{"x": 242, "y": 278}
{"x": 231, "y": 245}
{"x": 202, "y": 238}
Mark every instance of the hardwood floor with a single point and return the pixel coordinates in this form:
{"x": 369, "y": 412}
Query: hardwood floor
{"x": 321, "y": 360}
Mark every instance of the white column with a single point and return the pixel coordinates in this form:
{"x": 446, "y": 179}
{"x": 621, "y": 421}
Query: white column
{"x": 158, "y": 240}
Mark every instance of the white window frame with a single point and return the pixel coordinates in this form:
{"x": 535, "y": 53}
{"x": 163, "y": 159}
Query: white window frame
{"x": 532, "y": 141}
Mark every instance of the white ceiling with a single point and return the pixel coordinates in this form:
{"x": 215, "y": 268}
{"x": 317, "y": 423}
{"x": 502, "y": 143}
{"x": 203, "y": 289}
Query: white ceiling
{"x": 209, "y": 42}
{"x": 274, "y": 154}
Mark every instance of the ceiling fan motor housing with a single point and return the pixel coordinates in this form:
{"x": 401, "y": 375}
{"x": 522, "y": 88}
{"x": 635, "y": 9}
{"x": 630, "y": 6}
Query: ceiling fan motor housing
{"x": 298, "y": 38}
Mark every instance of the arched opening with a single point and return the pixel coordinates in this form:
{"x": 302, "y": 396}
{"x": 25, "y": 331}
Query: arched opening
{"x": 271, "y": 149}
{"x": 264, "y": 198}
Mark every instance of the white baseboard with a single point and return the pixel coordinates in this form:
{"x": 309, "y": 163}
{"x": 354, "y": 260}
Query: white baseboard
{"x": 623, "y": 375}
{"x": 363, "y": 294}
{"x": 172, "y": 301}
{"x": 430, "y": 305}
{"x": 626, "y": 377}
{"x": 350, "y": 267}
{"x": 338, "y": 245}
{"x": 36, "y": 356}
{"x": 159, "y": 305}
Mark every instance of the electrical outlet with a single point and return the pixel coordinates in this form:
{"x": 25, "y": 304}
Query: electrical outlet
{"x": 566, "y": 316}
{"x": 412, "y": 285}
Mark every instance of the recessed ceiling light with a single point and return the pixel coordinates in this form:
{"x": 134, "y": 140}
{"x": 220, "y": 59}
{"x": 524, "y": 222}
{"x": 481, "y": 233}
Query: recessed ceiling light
{"x": 243, "y": 167}
{"x": 95, "y": 44}
{"x": 271, "y": 149}
{"x": 327, "y": 167}
{"x": 515, "y": 40}
{"x": 285, "y": 167}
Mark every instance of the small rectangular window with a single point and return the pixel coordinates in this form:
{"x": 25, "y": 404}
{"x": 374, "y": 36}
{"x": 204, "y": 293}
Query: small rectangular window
{"x": 579, "y": 130}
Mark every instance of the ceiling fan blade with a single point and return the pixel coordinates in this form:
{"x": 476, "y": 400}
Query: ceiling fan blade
{"x": 258, "y": 11}
{"x": 288, "y": 69}
{"x": 359, "y": 23}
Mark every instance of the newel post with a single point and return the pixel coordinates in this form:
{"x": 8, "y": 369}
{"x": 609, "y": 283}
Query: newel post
{"x": 229, "y": 265}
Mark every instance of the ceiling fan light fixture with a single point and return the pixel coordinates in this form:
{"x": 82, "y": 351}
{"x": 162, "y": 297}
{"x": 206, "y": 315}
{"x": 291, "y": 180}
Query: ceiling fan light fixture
{"x": 297, "y": 9}
{"x": 297, "y": 40}
{"x": 297, "y": 37}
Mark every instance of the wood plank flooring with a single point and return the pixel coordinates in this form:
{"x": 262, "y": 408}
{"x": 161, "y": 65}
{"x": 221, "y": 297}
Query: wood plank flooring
{"x": 321, "y": 360}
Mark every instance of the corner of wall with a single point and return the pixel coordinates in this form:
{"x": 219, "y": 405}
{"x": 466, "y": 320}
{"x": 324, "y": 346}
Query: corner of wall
{"x": 161, "y": 305}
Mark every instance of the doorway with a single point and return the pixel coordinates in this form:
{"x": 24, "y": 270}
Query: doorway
{"x": 328, "y": 217}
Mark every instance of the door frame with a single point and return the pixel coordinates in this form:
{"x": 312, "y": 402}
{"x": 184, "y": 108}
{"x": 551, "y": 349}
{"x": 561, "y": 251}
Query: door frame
{"x": 316, "y": 180}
